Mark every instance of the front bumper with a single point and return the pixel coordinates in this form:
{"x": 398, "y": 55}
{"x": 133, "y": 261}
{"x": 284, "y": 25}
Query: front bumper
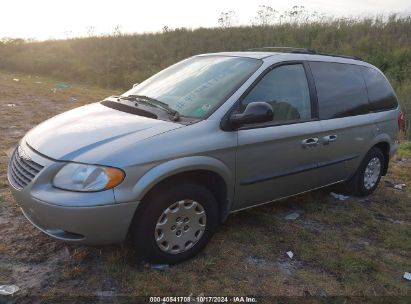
{"x": 86, "y": 225}
{"x": 86, "y": 218}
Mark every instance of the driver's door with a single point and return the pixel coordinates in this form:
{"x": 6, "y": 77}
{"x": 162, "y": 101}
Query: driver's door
{"x": 279, "y": 158}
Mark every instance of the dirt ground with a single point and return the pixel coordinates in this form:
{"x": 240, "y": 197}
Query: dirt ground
{"x": 356, "y": 248}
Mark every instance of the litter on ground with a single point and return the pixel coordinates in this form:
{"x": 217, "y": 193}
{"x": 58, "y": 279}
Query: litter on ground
{"x": 11, "y": 105}
{"x": 16, "y": 79}
{"x": 73, "y": 99}
{"x": 290, "y": 254}
{"x": 390, "y": 183}
{"x": 401, "y": 160}
{"x": 399, "y": 186}
{"x": 407, "y": 276}
{"x": 339, "y": 197}
{"x": 160, "y": 266}
{"x": 62, "y": 85}
{"x": 292, "y": 216}
{"x": 7, "y": 290}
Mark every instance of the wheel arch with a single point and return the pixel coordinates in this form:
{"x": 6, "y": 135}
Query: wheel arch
{"x": 384, "y": 146}
{"x": 206, "y": 171}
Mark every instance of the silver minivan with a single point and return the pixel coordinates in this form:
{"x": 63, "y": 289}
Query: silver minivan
{"x": 170, "y": 159}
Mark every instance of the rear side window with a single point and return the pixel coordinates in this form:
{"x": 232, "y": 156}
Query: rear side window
{"x": 380, "y": 92}
{"x": 341, "y": 90}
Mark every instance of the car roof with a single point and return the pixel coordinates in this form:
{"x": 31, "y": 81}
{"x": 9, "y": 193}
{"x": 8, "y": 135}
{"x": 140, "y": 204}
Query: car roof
{"x": 274, "y": 56}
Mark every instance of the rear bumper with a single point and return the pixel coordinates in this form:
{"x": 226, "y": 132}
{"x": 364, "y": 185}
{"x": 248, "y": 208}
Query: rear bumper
{"x": 393, "y": 149}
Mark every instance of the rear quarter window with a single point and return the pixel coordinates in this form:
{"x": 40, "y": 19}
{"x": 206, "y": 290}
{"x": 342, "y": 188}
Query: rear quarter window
{"x": 380, "y": 92}
{"x": 340, "y": 89}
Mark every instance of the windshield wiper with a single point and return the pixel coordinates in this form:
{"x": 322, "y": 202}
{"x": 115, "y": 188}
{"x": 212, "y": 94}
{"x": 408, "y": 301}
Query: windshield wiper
{"x": 154, "y": 102}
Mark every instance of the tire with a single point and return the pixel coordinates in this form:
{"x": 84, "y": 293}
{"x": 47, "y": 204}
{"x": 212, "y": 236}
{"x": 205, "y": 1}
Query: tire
{"x": 163, "y": 211}
{"x": 358, "y": 185}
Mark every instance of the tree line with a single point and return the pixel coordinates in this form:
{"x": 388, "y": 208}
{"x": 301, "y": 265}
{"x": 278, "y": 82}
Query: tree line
{"x": 118, "y": 60}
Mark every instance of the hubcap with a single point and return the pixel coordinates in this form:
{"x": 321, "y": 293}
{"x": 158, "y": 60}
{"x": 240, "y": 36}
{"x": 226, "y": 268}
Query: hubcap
{"x": 372, "y": 173}
{"x": 180, "y": 226}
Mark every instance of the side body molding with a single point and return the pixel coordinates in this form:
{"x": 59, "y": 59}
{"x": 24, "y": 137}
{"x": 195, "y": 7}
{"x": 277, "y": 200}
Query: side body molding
{"x": 185, "y": 164}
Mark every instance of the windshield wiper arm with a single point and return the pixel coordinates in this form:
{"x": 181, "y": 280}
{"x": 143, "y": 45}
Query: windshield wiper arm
{"x": 154, "y": 102}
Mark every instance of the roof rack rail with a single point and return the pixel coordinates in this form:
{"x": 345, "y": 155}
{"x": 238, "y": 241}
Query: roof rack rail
{"x": 342, "y": 56}
{"x": 302, "y": 51}
{"x": 285, "y": 48}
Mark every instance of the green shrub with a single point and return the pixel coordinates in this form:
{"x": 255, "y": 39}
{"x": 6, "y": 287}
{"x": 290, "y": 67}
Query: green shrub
{"x": 118, "y": 61}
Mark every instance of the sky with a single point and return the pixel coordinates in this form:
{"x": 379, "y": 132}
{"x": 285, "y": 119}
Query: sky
{"x": 54, "y": 19}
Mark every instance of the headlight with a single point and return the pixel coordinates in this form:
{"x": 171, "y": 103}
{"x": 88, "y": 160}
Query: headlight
{"x": 87, "y": 178}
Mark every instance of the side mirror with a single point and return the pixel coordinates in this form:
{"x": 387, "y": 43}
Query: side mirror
{"x": 255, "y": 112}
{"x": 136, "y": 84}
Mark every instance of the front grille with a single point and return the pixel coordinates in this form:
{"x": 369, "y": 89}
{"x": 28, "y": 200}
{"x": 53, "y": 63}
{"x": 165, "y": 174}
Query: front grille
{"x": 22, "y": 170}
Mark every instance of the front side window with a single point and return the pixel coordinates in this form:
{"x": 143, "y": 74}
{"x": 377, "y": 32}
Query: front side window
{"x": 285, "y": 88}
{"x": 198, "y": 85}
{"x": 340, "y": 88}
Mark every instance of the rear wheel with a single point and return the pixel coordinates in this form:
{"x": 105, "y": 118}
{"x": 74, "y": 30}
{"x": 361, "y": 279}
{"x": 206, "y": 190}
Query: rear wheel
{"x": 368, "y": 175}
{"x": 175, "y": 223}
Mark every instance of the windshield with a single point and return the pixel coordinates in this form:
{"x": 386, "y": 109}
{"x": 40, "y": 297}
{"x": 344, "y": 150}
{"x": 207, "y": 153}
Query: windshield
{"x": 196, "y": 86}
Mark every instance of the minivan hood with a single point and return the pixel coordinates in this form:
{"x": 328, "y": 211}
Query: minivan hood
{"x": 72, "y": 133}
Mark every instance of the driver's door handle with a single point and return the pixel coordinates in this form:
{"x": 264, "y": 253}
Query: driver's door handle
{"x": 310, "y": 142}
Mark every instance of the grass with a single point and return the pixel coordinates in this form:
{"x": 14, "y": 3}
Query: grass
{"x": 404, "y": 149}
{"x": 358, "y": 247}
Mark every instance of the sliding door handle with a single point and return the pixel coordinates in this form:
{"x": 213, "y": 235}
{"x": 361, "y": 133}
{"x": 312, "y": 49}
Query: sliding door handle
{"x": 310, "y": 142}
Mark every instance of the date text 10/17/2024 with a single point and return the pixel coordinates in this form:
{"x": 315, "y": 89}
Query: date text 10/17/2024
{"x": 203, "y": 299}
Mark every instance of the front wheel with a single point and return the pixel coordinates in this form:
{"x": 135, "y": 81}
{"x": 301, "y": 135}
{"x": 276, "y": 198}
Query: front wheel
{"x": 368, "y": 175}
{"x": 176, "y": 223}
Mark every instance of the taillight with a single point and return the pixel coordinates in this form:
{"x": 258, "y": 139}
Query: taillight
{"x": 401, "y": 122}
